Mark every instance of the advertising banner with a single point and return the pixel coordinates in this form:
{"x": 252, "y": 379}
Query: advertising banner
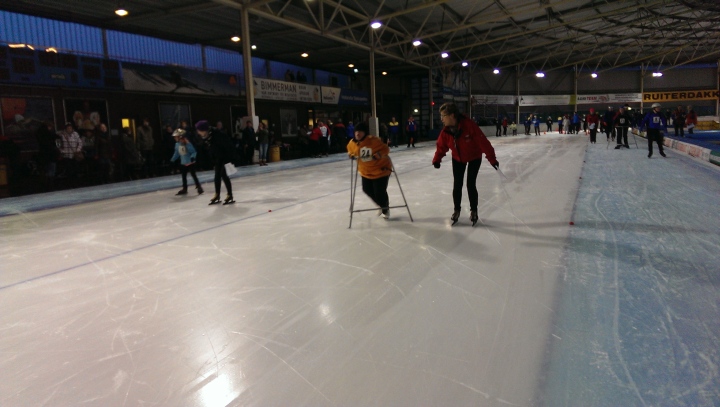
{"x": 544, "y": 100}
{"x": 350, "y": 97}
{"x": 171, "y": 79}
{"x": 613, "y": 98}
{"x": 493, "y": 99}
{"x": 680, "y": 95}
{"x": 275, "y": 90}
{"x": 330, "y": 96}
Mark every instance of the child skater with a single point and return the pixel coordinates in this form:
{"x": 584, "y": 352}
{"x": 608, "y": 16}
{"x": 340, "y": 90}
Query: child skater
{"x": 185, "y": 151}
{"x": 374, "y": 166}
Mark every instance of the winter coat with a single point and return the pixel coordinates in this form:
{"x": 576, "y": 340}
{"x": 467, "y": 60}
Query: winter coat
{"x": 691, "y": 118}
{"x": 623, "y": 120}
{"x": 372, "y": 156}
{"x": 145, "y": 141}
{"x": 593, "y": 121}
{"x": 220, "y": 146}
{"x": 263, "y": 136}
{"x": 654, "y": 121}
{"x": 467, "y": 143}
{"x": 185, "y": 151}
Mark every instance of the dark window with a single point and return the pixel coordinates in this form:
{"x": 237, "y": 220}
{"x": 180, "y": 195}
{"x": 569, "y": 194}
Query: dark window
{"x": 23, "y": 66}
{"x": 68, "y": 61}
{"x": 48, "y": 59}
{"x": 4, "y": 74}
{"x": 92, "y": 72}
{"x": 111, "y": 65}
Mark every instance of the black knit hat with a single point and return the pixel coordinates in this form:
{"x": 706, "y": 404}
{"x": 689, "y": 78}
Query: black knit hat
{"x": 363, "y": 127}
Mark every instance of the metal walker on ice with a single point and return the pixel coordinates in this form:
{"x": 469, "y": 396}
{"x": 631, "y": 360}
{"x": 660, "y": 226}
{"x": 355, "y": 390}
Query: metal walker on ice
{"x": 353, "y": 187}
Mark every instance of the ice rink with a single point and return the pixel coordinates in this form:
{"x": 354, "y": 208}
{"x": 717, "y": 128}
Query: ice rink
{"x": 148, "y": 299}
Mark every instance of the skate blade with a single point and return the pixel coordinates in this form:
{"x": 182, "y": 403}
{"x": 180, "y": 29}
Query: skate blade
{"x": 228, "y": 202}
{"x": 453, "y": 222}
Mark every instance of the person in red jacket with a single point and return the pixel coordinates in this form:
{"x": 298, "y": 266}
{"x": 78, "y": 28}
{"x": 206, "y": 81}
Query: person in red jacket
{"x": 467, "y": 142}
{"x": 593, "y": 122}
{"x": 315, "y": 136}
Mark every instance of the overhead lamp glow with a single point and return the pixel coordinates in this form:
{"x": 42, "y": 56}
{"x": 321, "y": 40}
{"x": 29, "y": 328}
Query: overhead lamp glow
{"x": 351, "y": 65}
{"x": 253, "y": 46}
{"x": 51, "y": 49}
{"x": 121, "y": 12}
{"x": 384, "y": 73}
{"x": 304, "y": 55}
{"x": 415, "y": 111}
{"x": 376, "y": 24}
{"x": 593, "y": 75}
{"x": 355, "y": 70}
{"x": 444, "y": 55}
{"x": 540, "y": 75}
{"x": 235, "y": 39}
{"x": 417, "y": 43}
{"x": 496, "y": 71}
{"x": 465, "y": 63}
{"x": 657, "y": 74}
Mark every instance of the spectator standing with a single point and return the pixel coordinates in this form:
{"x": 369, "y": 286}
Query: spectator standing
{"x": 622, "y": 123}
{"x": 467, "y": 143}
{"x": 411, "y": 128}
{"x": 593, "y": 122}
{"x": 566, "y": 124}
{"x": 528, "y": 124}
{"x": 247, "y": 143}
{"x": 263, "y": 137}
{"x": 324, "y": 141}
{"x": 513, "y": 128}
{"x": 394, "y": 129}
{"x": 608, "y": 120}
{"x": 70, "y": 151}
{"x": 221, "y": 153}
{"x": 104, "y": 148}
{"x": 339, "y": 134}
{"x": 146, "y": 144}
{"x": 536, "y": 124}
{"x": 185, "y": 151}
{"x": 505, "y": 125}
{"x": 315, "y": 135}
{"x": 691, "y": 120}
{"x": 132, "y": 156}
{"x": 549, "y": 123}
{"x": 656, "y": 125}
{"x": 678, "y": 118}
{"x": 48, "y": 151}
{"x": 374, "y": 166}
{"x": 498, "y": 127}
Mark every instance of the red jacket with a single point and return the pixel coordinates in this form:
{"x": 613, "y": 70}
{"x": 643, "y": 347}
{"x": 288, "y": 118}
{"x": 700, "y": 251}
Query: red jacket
{"x": 593, "y": 118}
{"x": 470, "y": 144}
{"x": 316, "y": 134}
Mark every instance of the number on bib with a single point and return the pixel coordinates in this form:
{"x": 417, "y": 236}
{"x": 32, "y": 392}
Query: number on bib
{"x": 366, "y": 154}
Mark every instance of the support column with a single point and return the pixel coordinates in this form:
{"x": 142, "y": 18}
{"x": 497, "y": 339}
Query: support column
{"x": 575, "y": 90}
{"x": 717, "y": 101}
{"x": 642, "y": 87}
{"x": 373, "y": 121}
{"x": 517, "y": 99}
{"x": 247, "y": 65}
{"x": 430, "y": 100}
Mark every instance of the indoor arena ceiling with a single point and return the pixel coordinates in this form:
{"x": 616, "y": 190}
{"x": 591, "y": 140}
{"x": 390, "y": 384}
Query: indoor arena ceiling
{"x": 528, "y": 35}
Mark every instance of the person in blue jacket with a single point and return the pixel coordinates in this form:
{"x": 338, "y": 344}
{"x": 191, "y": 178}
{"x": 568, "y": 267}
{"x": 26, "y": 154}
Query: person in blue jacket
{"x": 185, "y": 151}
{"x": 536, "y": 124}
{"x": 654, "y": 122}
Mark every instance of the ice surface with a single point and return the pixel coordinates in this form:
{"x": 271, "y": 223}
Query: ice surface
{"x": 152, "y": 299}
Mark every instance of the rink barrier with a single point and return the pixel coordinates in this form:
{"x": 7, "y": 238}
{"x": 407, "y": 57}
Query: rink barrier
{"x": 692, "y": 150}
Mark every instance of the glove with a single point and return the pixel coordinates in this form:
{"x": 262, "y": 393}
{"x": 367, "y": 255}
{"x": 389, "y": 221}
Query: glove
{"x": 436, "y": 164}
{"x": 352, "y": 157}
{"x": 496, "y": 165}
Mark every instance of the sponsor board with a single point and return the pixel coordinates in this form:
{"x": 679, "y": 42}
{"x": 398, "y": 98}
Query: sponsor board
{"x": 680, "y": 95}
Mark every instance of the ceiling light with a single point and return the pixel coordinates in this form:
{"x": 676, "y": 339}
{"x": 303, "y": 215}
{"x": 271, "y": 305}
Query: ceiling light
{"x": 121, "y": 12}
{"x": 594, "y": 75}
{"x": 351, "y": 65}
{"x": 355, "y": 70}
{"x": 51, "y": 49}
{"x": 304, "y": 55}
{"x": 384, "y": 73}
{"x": 417, "y": 43}
{"x": 376, "y": 24}
{"x": 657, "y": 74}
{"x": 31, "y": 47}
{"x": 444, "y": 55}
{"x": 540, "y": 75}
{"x": 465, "y": 63}
{"x": 415, "y": 110}
{"x": 16, "y": 45}
{"x": 253, "y": 46}
{"x": 235, "y": 39}
{"x": 496, "y": 71}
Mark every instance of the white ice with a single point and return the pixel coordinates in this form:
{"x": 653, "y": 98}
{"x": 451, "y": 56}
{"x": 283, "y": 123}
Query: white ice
{"x": 153, "y": 299}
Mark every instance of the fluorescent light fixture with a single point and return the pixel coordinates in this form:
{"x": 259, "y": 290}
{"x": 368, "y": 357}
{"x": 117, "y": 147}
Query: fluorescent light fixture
{"x": 657, "y": 74}
{"x": 16, "y": 45}
{"x": 417, "y": 43}
{"x": 540, "y": 74}
{"x": 253, "y": 46}
{"x": 376, "y": 24}
{"x": 444, "y": 55}
{"x": 121, "y": 12}
{"x": 304, "y": 55}
{"x": 31, "y": 47}
{"x": 465, "y": 63}
{"x": 496, "y": 71}
{"x": 351, "y": 65}
{"x": 51, "y": 49}
{"x": 594, "y": 75}
{"x": 235, "y": 39}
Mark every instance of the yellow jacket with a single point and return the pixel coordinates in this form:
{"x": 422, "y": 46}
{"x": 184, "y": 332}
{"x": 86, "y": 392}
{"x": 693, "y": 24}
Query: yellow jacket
{"x": 372, "y": 156}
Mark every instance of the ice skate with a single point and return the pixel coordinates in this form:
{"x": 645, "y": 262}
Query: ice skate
{"x": 215, "y": 200}
{"x": 473, "y": 217}
{"x": 385, "y": 213}
{"x": 662, "y": 154}
{"x": 182, "y": 192}
{"x": 228, "y": 200}
{"x": 619, "y": 146}
{"x": 200, "y": 190}
{"x": 455, "y": 216}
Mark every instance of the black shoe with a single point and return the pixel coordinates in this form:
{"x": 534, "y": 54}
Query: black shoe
{"x": 626, "y": 146}
{"x": 619, "y": 146}
{"x": 215, "y": 200}
{"x": 649, "y": 155}
{"x": 200, "y": 190}
{"x": 228, "y": 200}
{"x": 182, "y": 192}
{"x": 662, "y": 154}
{"x": 455, "y": 216}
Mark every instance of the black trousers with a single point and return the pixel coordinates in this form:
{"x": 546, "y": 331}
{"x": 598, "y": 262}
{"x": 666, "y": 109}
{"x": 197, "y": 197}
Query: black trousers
{"x": 656, "y": 136}
{"x": 184, "y": 169}
{"x": 376, "y": 189}
{"x": 593, "y": 135}
{"x": 221, "y": 175}
{"x": 622, "y": 134}
{"x": 679, "y": 125}
{"x": 458, "y": 174}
